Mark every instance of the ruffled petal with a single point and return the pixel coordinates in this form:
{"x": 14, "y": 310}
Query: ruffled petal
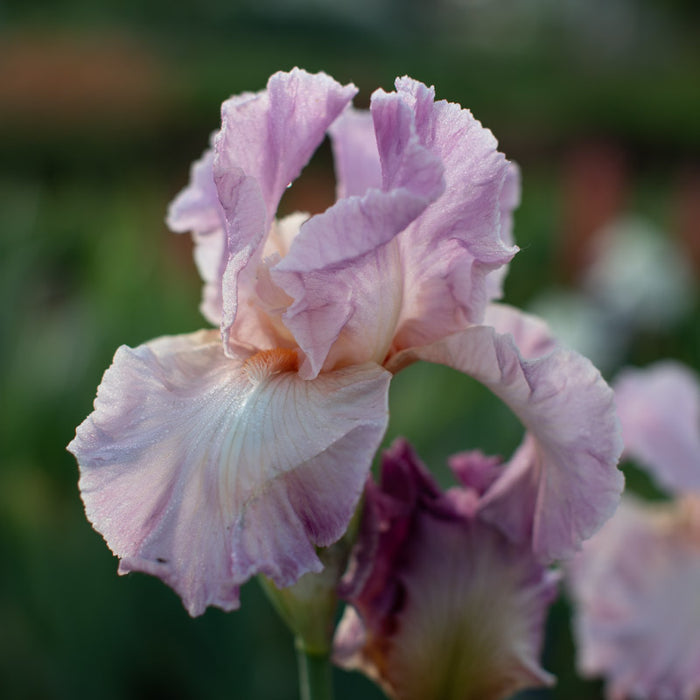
{"x": 635, "y": 586}
{"x": 355, "y": 153}
{"x": 659, "y": 408}
{"x": 566, "y": 406}
{"x": 342, "y": 271}
{"x": 205, "y": 470}
{"x": 449, "y": 252}
{"x": 265, "y": 141}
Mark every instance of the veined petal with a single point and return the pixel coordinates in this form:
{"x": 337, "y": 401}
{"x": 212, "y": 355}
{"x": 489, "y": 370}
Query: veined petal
{"x": 566, "y": 406}
{"x": 342, "y": 271}
{"x": 265, "y": 141}
{"x": 450, "y": 250}
{"x": 205, "y": 470}
{"x": 659, "y": 408}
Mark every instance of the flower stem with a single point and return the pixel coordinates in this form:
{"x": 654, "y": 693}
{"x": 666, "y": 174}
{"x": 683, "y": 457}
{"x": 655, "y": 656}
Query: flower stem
{"x": 315, "y": 674}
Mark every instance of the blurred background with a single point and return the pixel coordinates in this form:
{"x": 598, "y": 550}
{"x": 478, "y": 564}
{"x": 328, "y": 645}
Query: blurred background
{"x": 103, "y": 106}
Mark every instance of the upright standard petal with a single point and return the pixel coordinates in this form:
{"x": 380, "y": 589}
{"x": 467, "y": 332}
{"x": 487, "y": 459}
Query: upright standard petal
{"x": 561, "y": 399}
{"x": 635, "y": 587}
{"x": 205, "y": 470}
{"x": 450, "y": 250}
{"x": 265, "y": 141}
{"x": 445, "y": 607}
{"x": 659, "y": 408}
{"x": 344, "y": 275}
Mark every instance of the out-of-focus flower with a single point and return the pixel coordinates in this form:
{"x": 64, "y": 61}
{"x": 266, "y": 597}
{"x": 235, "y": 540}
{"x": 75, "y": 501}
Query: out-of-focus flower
{"x": 637, "y": 582}
{"x": 626, "y": 251}
{"x": 207, "y": 460}
{"x": 659, "y": 409}
{"x": 611, "y": 307}
{"x": 444, "y": 604}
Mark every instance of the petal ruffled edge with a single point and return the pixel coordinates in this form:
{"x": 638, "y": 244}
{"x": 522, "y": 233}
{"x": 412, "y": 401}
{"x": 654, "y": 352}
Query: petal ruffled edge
{"x": 567, "y": 408}
{"x": 452, "y": 253}
{"x": 265, "y": 140}
{"x": 204, "y": 471}
{"x": 340, "y": 267}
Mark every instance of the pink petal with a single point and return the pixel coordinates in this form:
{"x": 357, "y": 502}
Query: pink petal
{"x": 510, "y": 199}
{"x": 355, "y": 153}
{"x": 567, "y": 407}
{"x": 265, "y": 141}
{"x": 659, "y": 408}
{"x": 206, "y": 470}
{"x": 476, "y": 471}
{"x": 197, "y": 209}
{"x": 449, "y": 252}
{"x": 635, "y": 586}
{"x": 344, "y": 276}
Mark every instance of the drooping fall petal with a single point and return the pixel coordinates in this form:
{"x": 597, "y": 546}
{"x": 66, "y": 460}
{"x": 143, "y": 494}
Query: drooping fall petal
{"x": 205, "y": 470}
{"x": 567, "y": 408}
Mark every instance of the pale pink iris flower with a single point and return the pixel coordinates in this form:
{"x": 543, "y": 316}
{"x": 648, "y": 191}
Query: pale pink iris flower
{"x": 636, "y": 584}
{"x": 210, "y": 458}
{"x": 444, "y": 605}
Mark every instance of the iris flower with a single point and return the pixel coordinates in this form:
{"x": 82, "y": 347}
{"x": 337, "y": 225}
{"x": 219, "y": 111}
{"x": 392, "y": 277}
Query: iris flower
{"x": 444, "y": 605}
{"x": 213, "y": 457}
{"x": 636, "y": 584}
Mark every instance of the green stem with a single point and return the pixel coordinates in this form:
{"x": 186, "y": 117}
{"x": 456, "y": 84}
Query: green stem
{"x": 315, "y": 674}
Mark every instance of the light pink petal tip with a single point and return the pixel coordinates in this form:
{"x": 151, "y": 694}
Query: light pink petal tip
{"x": 205, "y": 470}
{"x": 659, "y": 408}
{"x": 197, "y": 209}
{"x": 567, "y": 464}
{"x": 265, "y": 141}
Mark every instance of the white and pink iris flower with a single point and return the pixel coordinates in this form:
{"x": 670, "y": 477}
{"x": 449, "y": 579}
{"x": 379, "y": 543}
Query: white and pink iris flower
{"x": 636, "y": 584}
{"x": 444, "y": 604}
{"x": 214, "y": 457}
